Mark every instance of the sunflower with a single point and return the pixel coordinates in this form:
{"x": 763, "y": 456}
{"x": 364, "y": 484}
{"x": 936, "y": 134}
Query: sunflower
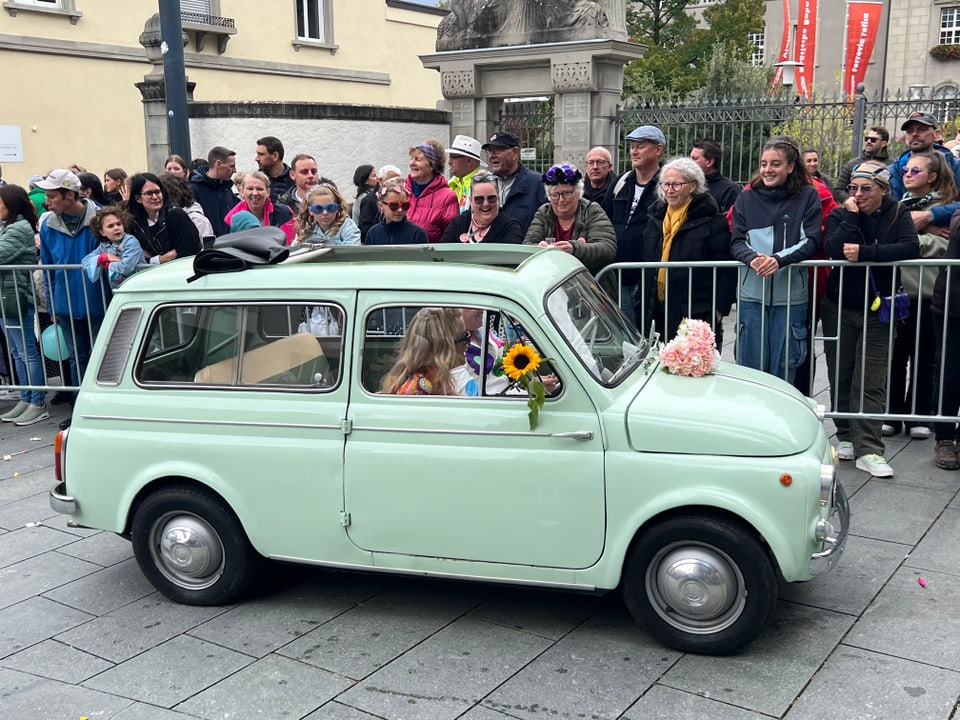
{"x": 520, "y": 360}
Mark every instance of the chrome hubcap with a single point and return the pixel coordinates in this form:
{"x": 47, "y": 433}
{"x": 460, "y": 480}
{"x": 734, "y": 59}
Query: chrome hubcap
{"x": 696, "y": 588}
{"x": 187, "y": 550}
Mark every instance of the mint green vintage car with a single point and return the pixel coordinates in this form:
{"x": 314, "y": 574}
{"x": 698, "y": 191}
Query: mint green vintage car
{"x": 238, "y": 417}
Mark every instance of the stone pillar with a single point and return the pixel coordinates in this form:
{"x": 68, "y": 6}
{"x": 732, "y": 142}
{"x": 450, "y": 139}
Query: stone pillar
{"x": 573, "y": 86}
{"x": 154, "y": 98}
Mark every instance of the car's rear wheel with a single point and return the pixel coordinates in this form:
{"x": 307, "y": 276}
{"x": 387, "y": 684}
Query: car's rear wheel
{"x": 192, "y": 548}
{"x": 700, "y": 584}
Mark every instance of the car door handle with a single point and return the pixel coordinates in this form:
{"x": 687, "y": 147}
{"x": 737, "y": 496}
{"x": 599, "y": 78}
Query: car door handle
{"x": 575, "y": 435}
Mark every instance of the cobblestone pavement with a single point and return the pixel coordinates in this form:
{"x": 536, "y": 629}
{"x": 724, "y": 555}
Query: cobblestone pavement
{"x": 82, "y": 633}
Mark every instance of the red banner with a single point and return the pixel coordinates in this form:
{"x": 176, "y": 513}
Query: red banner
{"x": 784, "y": 55}
{"x": 863, "y": 23}
{"x": 806, "y": 46}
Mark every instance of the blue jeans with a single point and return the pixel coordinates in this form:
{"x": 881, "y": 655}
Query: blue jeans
{"x": 763, "y": 340}
{"x": 79, "y": 338}
{"x": 628, "y": 296}
{"x": 26, "y": 356}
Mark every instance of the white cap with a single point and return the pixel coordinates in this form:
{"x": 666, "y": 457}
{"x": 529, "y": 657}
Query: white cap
{"x": 467, "y": 147}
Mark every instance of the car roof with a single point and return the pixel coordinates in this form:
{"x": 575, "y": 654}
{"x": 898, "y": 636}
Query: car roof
{"x": 511, "y": 270}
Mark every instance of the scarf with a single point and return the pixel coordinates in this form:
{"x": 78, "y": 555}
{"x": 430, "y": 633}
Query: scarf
{"x": 671, "y": 223}
{"x": 909, "y": 202}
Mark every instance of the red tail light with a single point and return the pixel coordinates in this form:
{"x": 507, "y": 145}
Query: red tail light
{"x": 59, "y": 445}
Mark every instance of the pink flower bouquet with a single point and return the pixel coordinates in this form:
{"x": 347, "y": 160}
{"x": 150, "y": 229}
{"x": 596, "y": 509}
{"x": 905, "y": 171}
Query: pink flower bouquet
{"x": 692, "y": 352}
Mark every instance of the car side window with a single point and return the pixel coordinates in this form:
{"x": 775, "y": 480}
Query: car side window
{"x": 386, "y": 328}
{"x": 274, "y": 345}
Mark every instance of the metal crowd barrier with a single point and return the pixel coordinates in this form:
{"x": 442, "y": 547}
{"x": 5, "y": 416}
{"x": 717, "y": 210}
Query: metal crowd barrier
{"x": 817, "y": 338}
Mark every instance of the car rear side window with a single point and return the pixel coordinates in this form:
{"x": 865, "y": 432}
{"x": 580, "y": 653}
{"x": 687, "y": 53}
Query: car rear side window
{"x": 264, "y": 345}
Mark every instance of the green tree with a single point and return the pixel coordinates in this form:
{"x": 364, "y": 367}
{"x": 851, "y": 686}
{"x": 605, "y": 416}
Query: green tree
{"x": 679, "y": 53}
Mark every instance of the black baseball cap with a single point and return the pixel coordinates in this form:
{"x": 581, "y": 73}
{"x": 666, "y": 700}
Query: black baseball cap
{"x": 501, "y": 140}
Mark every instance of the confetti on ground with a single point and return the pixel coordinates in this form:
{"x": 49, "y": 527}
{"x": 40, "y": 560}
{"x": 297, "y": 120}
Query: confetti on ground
{"x": 9, "y": 456}
{"x": 36, "y": 524}
{"x": 922, "y": 582}
{"x": 36, "y": 439}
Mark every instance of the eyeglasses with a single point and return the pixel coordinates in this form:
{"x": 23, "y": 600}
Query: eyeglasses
{"x": 913, "y": 171}
{"x": 870, "y": 139}
{"x": 862, "y": 189}
{"x": 461, "y": 339}
{"x": 151, "y": 193}
{"x": 598, "y": 162}
{"x": 673, "y": 185}
{"x": 485, "y": 200}
{"x": 318, "y": 209}
{"x": 561, "y": 194}
{"x": 394, "y": 206}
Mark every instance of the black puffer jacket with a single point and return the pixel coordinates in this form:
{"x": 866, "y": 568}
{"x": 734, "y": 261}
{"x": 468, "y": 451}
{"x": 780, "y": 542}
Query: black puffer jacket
{"x": 215, "y": 197}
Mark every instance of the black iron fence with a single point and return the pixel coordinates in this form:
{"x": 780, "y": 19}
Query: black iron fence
{"x": 532, "y": 122}
{"x": 834, "y": 126}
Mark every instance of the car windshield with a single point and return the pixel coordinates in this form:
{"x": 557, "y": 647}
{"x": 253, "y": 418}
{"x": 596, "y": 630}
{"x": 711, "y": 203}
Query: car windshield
{"x": 600, "y": 334}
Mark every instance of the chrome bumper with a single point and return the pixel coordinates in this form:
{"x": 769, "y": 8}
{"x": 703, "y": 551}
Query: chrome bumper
{"x": 821, "y": 562}
{"x": 61, "y": 502}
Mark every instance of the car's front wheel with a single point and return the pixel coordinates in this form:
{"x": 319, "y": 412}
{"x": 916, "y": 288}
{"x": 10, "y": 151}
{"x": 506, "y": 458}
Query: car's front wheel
{"x": 700, "y": 584}
{"x": 192, "y": 548}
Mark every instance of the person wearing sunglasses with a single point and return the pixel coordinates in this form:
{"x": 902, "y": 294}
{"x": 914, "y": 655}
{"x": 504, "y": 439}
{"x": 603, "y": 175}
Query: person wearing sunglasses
{"x": 685, "y": 225}
{"x": 930, "y": 183}
{"x": 876, "y": 143}
{"x": 483, "y": 221}
{"x": 324, "y": 219}
{"x": 868, "y": 228}
{"x": 573, "y": 225}
{"x": 393, "y": 202}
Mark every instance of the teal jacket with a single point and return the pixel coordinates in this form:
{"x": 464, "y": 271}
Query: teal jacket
{"x": 18, "y": 248}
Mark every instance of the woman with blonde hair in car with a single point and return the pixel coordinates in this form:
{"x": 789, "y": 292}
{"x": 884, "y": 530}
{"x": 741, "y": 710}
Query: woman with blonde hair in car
{"x": 432, "y": 347}
{"x": 324, "y": 219}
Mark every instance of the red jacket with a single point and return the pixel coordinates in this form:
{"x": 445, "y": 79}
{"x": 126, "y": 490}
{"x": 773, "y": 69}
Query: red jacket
{"x": 436, "y": 207}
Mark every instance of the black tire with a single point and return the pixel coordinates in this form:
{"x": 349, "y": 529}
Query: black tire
{"x": 718, "y": 566}
{"x": 192, "y": 547}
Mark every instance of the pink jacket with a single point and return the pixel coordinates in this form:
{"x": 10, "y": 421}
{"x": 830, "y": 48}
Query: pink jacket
{"x": 436, "y": 207}
{"x": 285, "y": 219}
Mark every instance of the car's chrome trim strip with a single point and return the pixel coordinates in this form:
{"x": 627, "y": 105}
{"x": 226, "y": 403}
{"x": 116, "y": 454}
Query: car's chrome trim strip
{"x": 434, "y": 573}
{"x": 577, "y": 435}
{"x": 231, "y": 423}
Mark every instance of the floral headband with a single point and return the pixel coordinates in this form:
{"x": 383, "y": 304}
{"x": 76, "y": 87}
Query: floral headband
{"x": 562, "y": 175}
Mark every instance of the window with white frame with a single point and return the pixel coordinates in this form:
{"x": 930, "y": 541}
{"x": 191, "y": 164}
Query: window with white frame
{"x": 756, "y": 40}
{"x": 56, "y": 7}
{"x": 315, "y": 21}
{"x": 950, "y": 26}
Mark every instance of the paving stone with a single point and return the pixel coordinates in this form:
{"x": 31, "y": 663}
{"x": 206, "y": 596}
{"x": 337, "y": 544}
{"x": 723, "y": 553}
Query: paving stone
{"x": 61, "y": 522}
{"x": 597, "y": 671}
{"x": 142, "y": 711}
{"x": 134, "y": 628}
{"x": 372, "y": 634}
{"x": 541, "y": 612}
{"x": 864, "y": 567}
{"x": 31, "y": 509}
{"x": 337, "y": 711}
{"x": 260, "y": 627}
{"x": 38, "y": 575}
{"x": 896, "y": 513}
{"x": 914, "y": 466}
{"x": 768, "y": 674}
{"x": 272, "y": 687}
{"x": 105, "y": 590}
{"x": 852, "y": 479}
{"x": 33, "y": 621}
{"x": 857, "y": 684}
{"x": 664, "y": 702}
{"x": 20, "y": 487}
{"x": 171, "y": 672}
{"x": 102, "y": 548}
{"x": 447, "y": 674}
{"x": 54, "y": 660}
{"x": 938, "y": 549}
{"x": 27, "y": 697}
{"x": 27, "y": 542}
{"x": 914, "y": 622}
{"x": 482, "y": 713}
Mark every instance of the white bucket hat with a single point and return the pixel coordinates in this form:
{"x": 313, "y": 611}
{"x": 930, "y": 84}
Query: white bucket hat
{"x": 467, "y": 147}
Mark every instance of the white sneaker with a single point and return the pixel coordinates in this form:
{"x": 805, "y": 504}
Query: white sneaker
{"x": 887, "y": 430}
{"x": 920, "y": 432}
{"x": 845, "y": 451}
{"x": 874, "y": 464}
